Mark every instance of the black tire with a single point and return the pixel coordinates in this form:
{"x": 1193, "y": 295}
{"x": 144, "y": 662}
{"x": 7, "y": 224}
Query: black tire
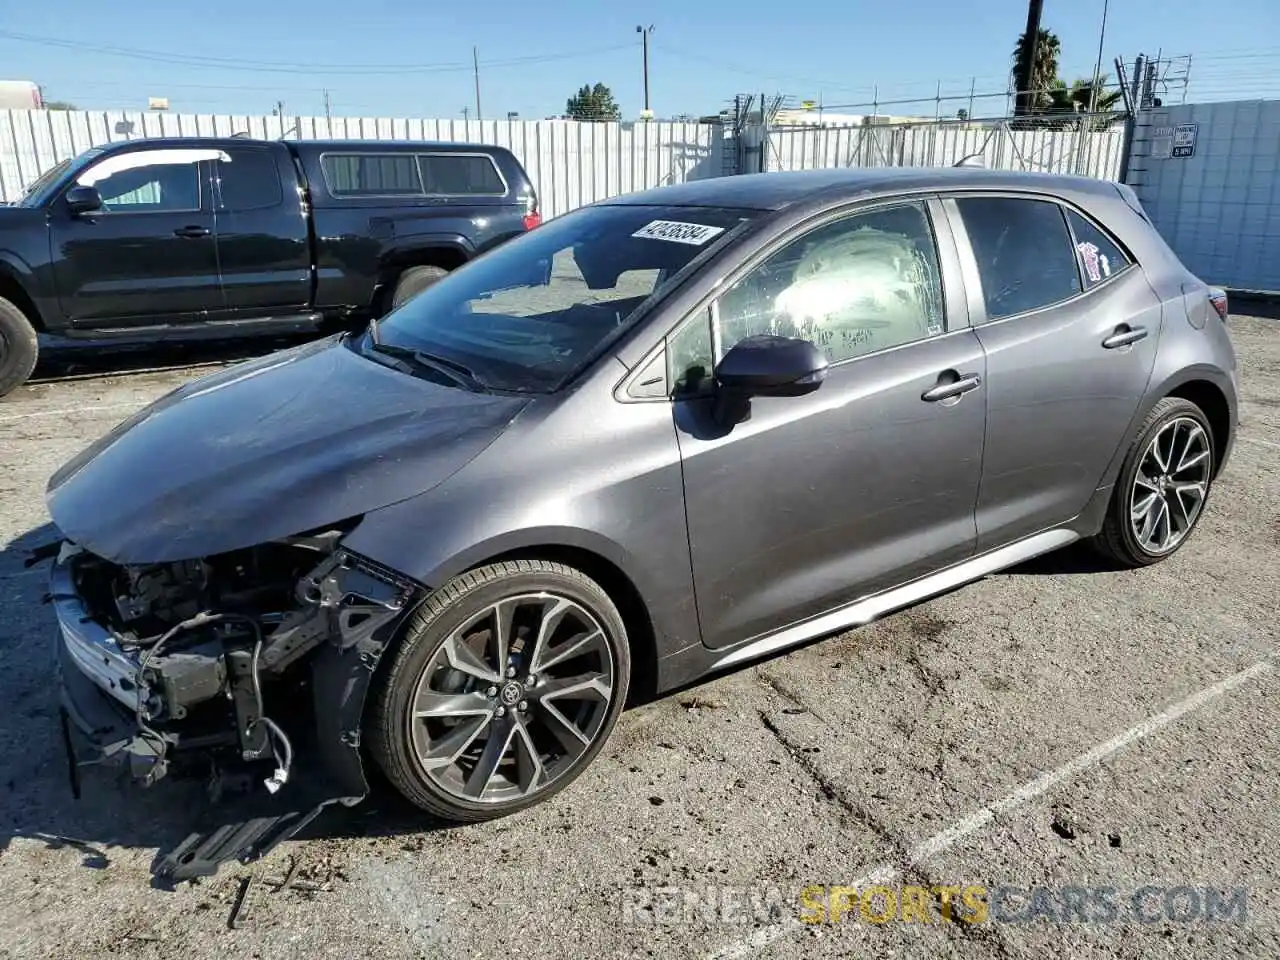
{"x": 19, "y": 347}
{"x": 413, "y": 281}
{"x": 1117, "y": 540}
{"x": 392, "y": 702}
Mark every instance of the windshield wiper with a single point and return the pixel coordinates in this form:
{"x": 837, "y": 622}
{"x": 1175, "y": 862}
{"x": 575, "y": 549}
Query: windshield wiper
{"x": 455, "y": 371}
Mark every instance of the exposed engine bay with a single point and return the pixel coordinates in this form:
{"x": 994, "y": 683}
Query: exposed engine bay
{"x": 247, "y": 666}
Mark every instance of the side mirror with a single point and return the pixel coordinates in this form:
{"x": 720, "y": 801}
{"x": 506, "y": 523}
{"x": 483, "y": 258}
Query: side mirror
{"x": 768, "y": 366}
{"x": 81, "y": 199}
{"x": 765, "y": 366}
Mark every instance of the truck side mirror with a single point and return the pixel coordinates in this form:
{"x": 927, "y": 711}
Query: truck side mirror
{"x": 82, "y": 199}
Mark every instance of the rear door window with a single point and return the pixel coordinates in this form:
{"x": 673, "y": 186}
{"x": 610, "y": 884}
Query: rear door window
{"x": 1100, "y": 257}
{"x": 249, "y": 180}
{"x": 1024, "y": 253}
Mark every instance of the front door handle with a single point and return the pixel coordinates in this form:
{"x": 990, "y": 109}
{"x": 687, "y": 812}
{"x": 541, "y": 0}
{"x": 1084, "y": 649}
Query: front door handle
{"x": 1123, "y": 336}
{"x": 946, "y": 389}
{"x": 191, "y": 232}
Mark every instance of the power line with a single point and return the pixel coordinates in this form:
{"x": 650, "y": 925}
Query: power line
{"x": 264, "y": 66}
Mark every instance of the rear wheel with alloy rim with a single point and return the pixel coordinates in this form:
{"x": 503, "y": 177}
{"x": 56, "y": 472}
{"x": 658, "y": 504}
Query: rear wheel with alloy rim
{"x": 1163, "y": 485}
{"x": 505, "y": 687}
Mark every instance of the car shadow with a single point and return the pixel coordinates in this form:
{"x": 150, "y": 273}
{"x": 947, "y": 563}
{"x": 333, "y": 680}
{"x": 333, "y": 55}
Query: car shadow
{"x": 36, "y": 797}
{"x": 1256, "y": 305}
{"x": 1077, "y": 558}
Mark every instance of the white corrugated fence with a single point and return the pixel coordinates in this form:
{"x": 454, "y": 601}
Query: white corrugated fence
{"x": 572, "y": 163}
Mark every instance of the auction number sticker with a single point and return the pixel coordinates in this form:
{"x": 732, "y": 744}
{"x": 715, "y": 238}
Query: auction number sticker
{"x": 677, "y": 232}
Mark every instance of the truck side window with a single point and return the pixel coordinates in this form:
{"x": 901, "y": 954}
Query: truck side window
{"x": 460, "y": 175}
{"x": 159, "y": 181}
{"x": 249, "y": 180}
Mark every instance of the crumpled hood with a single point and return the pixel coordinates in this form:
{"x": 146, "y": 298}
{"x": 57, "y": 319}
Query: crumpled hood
{"x": 265, "y": 449}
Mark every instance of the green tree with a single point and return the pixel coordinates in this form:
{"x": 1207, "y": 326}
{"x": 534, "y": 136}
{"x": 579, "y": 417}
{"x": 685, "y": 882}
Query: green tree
{"x": 1079, "y": 97}
{"x": 59, "y": 105}
{"x": 1044, "y": 70}
{"x": 593, "y": 103}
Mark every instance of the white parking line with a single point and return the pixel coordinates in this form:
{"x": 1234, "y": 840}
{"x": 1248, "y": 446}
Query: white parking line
{"x": 66, "y": 411}
{"x": 1261, "y": 443}
{"x": 975, "y": 821}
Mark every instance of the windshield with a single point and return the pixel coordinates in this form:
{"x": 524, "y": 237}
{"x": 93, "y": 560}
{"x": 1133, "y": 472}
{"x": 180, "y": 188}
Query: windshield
{"x": 34, "y": 195}
{"x": 529, "y": 314}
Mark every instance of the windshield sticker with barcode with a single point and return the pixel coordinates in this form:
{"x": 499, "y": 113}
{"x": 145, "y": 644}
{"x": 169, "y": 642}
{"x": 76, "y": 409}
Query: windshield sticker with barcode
{"x": 677, "y": 232}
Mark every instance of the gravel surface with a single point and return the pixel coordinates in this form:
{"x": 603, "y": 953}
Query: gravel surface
{"x": 1056, "y": 727}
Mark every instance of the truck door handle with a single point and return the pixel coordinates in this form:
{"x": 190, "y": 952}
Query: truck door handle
{"x": 191, "y": 232}
{"x": 1123, "y": 336}
{"x": 946, "y": 389}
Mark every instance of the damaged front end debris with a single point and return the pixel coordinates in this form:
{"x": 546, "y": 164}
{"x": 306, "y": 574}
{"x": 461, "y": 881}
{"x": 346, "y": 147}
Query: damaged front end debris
{"x": 248, "y": 666}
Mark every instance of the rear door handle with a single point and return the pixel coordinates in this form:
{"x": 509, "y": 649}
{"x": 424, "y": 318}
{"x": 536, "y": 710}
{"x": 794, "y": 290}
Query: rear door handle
{"x": 191, "y": 232}
{"x": 1123, "y": 336}
{"x": 945, "y": 390}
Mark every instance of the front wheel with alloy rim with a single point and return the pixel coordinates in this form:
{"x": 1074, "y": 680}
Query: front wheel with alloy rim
{"x": 1163, "y": 486}
{"x": 505, "y": 686}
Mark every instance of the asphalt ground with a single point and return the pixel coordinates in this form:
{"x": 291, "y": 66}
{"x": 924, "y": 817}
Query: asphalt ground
{"x": 1093, "y": 755}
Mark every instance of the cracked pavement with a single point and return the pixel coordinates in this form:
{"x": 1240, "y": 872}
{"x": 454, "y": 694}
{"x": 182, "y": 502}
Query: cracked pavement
{"x": 1046, "y": 727}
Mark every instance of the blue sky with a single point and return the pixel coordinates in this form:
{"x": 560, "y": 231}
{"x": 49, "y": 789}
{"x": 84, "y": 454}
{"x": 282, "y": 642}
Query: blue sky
{"x": 378, "y": 57}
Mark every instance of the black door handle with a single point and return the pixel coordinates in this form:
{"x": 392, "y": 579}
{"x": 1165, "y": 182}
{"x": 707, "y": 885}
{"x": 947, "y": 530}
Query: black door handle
{"x": 946, "y": 389}
{"x": 191, "y": 232}
{"x": 1123, "y": 336}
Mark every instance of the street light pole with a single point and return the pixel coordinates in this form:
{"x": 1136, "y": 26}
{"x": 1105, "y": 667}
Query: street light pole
{"x": 1097, "y": 69}
{"x": 644, "y": 35}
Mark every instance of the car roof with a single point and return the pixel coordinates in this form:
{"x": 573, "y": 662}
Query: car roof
{"x": 774, "y": 191}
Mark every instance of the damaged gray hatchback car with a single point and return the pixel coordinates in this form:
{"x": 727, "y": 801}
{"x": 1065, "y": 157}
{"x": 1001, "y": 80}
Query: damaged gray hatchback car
{"x": 656, "y": 437}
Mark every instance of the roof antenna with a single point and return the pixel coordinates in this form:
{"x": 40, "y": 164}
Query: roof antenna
{"x": 972, "y": 160}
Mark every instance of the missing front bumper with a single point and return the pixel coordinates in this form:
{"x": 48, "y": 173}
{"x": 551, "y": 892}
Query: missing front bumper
{"x": 108, "y": 708}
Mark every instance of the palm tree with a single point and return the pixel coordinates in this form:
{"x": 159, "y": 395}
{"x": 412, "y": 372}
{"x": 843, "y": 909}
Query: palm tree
{"x": 1044, "y": 70}
{"x": 1079, "y": 97}
{"x": 1105, "y": 100}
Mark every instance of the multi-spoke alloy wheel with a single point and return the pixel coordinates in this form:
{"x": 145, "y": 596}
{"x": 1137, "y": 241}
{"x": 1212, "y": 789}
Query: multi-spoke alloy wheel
{"x": 1163, "y": 485}
{"x": 1170, "y": 485}
{"x": 507, "y": 685}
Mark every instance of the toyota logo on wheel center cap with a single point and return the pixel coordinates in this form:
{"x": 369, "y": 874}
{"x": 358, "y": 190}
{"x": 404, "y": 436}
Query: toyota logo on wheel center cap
{"x": 511, "y": 693}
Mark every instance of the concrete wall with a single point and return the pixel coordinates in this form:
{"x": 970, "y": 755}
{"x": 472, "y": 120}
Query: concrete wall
{"x": 1220, "y": 207}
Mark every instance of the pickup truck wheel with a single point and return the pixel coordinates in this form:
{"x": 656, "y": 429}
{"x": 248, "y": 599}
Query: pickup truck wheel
{"x": 18, "y": 347}
{"x": 413, "y": 281}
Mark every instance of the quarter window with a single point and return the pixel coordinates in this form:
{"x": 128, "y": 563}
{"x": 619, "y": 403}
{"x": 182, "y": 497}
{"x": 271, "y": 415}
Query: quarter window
{"x": 1100, "y": 258}
{"x": 1023, "y": 251}
{"x": 372, "y": 175}
{"x": 412, "y": 175}
{"x": 158, "y": 181}
{"x": 249, "y": 180}
{"x": 861, "y": 284}
{"x": 691, "y": 357}
{"x": 460, "y": 174}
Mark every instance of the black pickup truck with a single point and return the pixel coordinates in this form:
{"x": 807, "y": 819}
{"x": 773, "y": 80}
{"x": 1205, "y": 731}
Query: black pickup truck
{"x": 204, "y": 237}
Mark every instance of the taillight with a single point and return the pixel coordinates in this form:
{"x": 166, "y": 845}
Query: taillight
{"x": 1218, "y": 297}
{"x": 532, "y": 218}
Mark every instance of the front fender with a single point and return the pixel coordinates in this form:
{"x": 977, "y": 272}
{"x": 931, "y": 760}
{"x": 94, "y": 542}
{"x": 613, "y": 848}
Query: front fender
{"x": 36, "y": 284}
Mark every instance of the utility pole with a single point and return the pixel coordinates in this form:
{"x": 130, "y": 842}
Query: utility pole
{"x": 644, "y": 39}
{"x": 466, "y": 114}
{"x": 1097, "y": 69}
{"x": 1023, "y": 92}
{"x": 328, "y": 107}
{"x": 475, "y": 64}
